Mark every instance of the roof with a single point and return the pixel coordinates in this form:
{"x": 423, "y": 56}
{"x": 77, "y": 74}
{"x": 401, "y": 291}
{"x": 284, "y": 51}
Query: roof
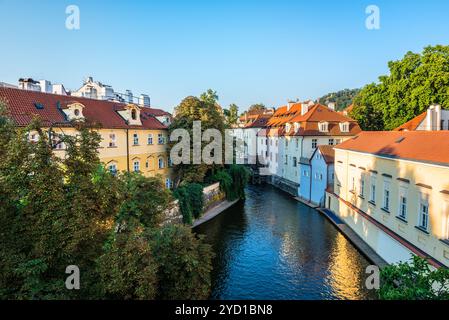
{"x": 412, "y": 124}
{"x": 327, "y": 152}
{"x": 422, "y": 146}
{"x": 22, "y": 108}
{"x": 260, "y": 122}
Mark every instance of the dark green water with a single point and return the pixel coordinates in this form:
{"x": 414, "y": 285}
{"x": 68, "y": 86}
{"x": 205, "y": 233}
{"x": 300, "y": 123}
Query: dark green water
{"x": 272, "y": 247}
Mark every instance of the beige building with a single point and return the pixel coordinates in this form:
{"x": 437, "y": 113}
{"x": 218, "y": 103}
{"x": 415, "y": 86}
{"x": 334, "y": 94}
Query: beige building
{"x": 392, "y": 189}
{"x": 133, "y": 139}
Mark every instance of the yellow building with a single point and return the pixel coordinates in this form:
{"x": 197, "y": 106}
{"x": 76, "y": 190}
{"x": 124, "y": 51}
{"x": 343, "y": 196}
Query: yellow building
{"x": 392, "y": 189}
{"x": 132, "y": 138}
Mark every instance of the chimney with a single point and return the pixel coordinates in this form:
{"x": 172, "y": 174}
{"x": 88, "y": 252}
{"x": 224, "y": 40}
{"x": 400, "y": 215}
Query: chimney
{"x": 144, "y": 100}
{"x": 331, "y": 106}
{"x": 438, "y": 117}
{"x": 430, "y": 119}
{"x": 289, "y": 104}
{"x": 304, "y": 108}
{"x": 129, "y": 96}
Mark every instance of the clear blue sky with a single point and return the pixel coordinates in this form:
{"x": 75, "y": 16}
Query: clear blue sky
{"x": 249, "y": 51}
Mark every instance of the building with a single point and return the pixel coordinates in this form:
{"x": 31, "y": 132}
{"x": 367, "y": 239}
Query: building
{"x": 434, "y": 119}
{"x": 41, "y": 86}
{"x": 250, "y": 116}
{"x": 317, "y": 175}
{"x": 132, "y": 138}
{"x": 392, "y": 189}
{"x": 294, "y": 133}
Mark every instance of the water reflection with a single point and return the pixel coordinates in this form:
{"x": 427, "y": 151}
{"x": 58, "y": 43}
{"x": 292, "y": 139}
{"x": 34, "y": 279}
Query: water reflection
{"x": 272, "y": 247}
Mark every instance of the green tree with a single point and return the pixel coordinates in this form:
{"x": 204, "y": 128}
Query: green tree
{"x": 257, "y": 107}
{"x": 233, "y": 114}
{"x": 209, "y": 113}
{"x": 342, "y": 98}
{"x": 185, "y": 263}
{"x": 414, "y": 280}
{"x": 414, "y": 83}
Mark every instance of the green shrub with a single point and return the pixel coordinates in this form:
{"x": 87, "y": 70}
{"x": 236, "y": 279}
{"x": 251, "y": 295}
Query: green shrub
{"x": 191, "y": 203}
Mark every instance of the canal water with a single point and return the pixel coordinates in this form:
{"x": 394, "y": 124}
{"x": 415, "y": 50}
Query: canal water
{"x": 272, "y": 247}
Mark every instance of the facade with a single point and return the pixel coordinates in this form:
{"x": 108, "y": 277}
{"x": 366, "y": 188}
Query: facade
{"x": 392, "y": 189}
{"x": 132, "y": 138}
{"x": 41, "y": 86}
{"x": 294, "y": 133}
{"x": 317, "y": 175}
{"x": 434, "y": 119}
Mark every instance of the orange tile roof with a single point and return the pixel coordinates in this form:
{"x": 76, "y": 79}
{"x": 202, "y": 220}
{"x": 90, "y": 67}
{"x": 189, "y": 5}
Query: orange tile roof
{"x": 423, "y": 146}
{"x": 412, "y": 124}
{"x": 328, "y": 153}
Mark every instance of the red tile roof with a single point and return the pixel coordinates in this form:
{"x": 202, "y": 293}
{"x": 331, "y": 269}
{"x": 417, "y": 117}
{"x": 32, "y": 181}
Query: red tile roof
{"x": 22, "y": 107}
{"x": 412, "y": 124}
{"x": 328, "y": 153}
{"x": 260, "y": 122}
{"x": 423, "y": 146}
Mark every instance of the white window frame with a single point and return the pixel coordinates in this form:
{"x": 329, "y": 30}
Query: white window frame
{"x": 386, "y": 202}
{"x": 160, "y": 138}
{"x": 314, "y": 143}
{"x": 161, "y": 165}
{"x": 136, "y": 165}
{"x": 423, "y": 223}
{"x": 135, "y": 139}
{"x": 403, "y": 203}
{"x": 112, "y": 140}
{"x": 150, "y": 139}
{"x": 373, "y": 188}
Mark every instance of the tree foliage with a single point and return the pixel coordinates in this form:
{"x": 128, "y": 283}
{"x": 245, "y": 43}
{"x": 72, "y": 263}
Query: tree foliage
{"x": 414, "y": 280}
{"x": 233, "y": 181}
{"x": 232, "y": 114}
{"x": 206, "y": 110}
{"x": 414, "y": 83}
{"x": 257, "y": 107}
{"x": 191, "y": 202}
{"x": 61, "y": 211}
{"x": 342, "y": 98}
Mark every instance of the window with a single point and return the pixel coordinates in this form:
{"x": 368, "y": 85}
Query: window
{"x": 424, "y": 214}
{"x": 297, "y": 143}
{"x": 353, "y": 185}
{"x": 76, "y": 112}
{"x": 113, "y": 169}
{"x": 402, "y": 207}
{"x": 323, "y": 126}
{"x": 446, "y": 226}
{"x": 286, "y": 143}
{"x": 136, "y": 166}
{"x": 134, "y": 114}
{"x": 305, "y": 173}
{"x": 373, "y": 190}
{"x": 314, "y": 143}
{"x": 135, "y": 139}
{"x": 320, "y": 176}
{"x": 344, "y": 127}
{"x": 294, "y": 162}
{"x": 362, "y": 186}
{"x": 168, "y": 183}
{"x": 331, "y": 142}
{"x": 161, "y": 163}
{"x": 286, "y": 159}
{"x": 150, "y": 138}
{"x": 112, "y": 140}
{"x": 386, "y": 204}
{"x": 160, "y": 138}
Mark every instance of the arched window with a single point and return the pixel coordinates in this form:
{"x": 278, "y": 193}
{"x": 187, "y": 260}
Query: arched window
{"x": 112, "y": 167}
{"x": 76, "y": 112}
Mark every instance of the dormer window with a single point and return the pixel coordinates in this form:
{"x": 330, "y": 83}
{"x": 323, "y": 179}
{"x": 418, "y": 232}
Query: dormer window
{"x": 74, "y": 112}
{"x": 296, "y": 127}
{"x": 131, "y": 114}
{"x": 323, "y": 126}
{"x": 344, "y": 127}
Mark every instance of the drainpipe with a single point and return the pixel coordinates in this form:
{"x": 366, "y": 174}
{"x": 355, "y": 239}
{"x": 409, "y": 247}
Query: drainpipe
{"x": 127, "y": 149}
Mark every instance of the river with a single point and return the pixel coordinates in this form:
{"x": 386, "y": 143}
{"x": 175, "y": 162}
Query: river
{"x": 270, "y": 246}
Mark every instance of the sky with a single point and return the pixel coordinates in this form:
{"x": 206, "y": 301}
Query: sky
{"x": 248, "y": 51}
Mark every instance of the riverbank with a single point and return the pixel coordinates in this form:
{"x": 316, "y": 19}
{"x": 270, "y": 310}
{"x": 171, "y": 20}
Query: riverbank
{"x": 213, "y": 212}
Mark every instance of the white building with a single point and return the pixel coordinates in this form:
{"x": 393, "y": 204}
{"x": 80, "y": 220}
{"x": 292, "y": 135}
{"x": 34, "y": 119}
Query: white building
{"x": 41, "y": 86}
{"x": 295, "y": 131}
{"x": 434, "y": 119}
